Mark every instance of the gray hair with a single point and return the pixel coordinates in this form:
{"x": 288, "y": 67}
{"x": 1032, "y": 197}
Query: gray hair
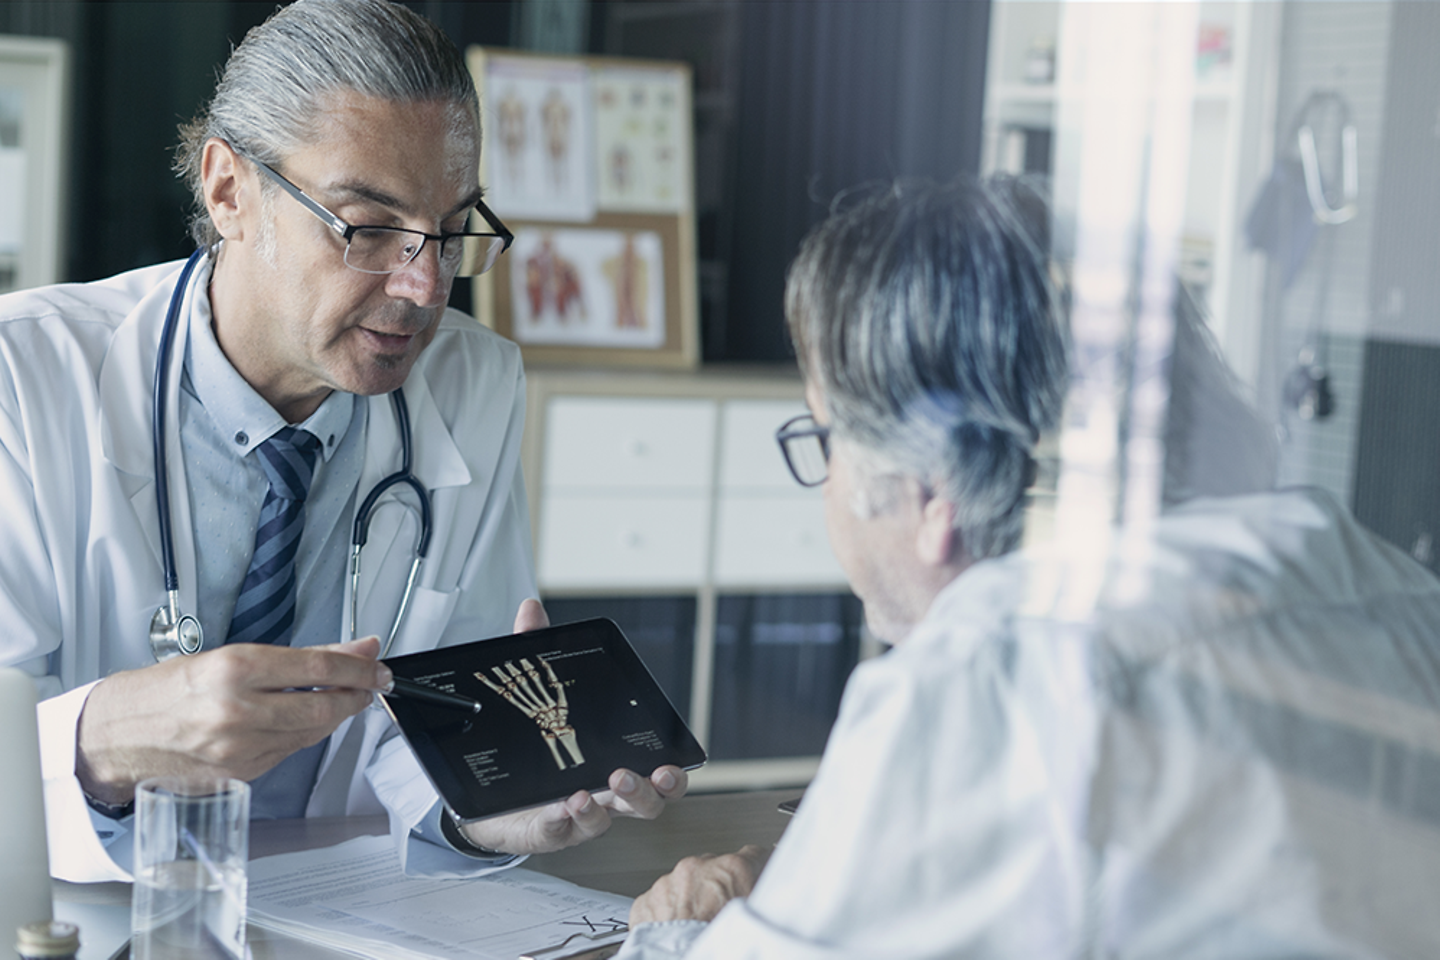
{"x": 926, "y": 316}
{"x": 275, "y": 83}
{"x": 1216, "y": 444}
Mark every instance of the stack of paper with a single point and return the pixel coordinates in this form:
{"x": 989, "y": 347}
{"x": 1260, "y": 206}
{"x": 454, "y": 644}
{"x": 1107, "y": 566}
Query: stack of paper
{"x": 354, "y": 898}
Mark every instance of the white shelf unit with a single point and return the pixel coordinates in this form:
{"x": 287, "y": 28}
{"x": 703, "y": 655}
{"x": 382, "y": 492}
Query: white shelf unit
{"x": 1231, "y": 140}
{"x": 671, "y": 485}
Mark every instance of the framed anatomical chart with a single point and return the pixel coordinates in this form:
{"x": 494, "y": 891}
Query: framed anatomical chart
{"x": 588, "y": 161}
{"x": 33, "y": 128}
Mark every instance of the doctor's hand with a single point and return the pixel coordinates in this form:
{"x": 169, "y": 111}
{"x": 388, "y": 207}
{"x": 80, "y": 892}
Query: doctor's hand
{"x": 581, "y": 816}
{"x": 699, "y": 887}
{"x": 235, "y": 711}
{"x": 530, "y": 616}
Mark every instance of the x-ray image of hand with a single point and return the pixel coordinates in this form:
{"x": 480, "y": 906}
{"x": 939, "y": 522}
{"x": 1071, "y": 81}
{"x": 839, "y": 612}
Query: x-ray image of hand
{"x": 525, "y": 690}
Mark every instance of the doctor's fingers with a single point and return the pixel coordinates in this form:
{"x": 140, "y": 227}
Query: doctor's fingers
{"x": 531, "y": 616}
{"x": 544, "y": 829}
{"x": 247, "y": 736}
{"x": 262, "y": 667}
{"x": 587, "y": 818}
{"x": 631, "y": 795}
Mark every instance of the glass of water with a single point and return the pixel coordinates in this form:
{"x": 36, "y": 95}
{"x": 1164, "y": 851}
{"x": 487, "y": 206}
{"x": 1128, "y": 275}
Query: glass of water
{"x": 192, "y": 840}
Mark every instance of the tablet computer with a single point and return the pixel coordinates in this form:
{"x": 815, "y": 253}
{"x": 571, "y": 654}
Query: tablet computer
{"x": 561, "y": 709}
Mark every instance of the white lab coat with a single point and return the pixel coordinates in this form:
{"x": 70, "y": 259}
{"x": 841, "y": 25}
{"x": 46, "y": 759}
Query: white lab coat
{"x": 80, "y": 571}
{"x": 1218, "y": 739}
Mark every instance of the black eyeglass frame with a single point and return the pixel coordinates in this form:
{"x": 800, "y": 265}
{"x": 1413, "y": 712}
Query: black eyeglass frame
{"x": 801, "y": 428}
{"x": 348, "y": 230}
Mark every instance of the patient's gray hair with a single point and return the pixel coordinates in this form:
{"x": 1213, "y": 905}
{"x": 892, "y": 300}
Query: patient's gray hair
{"x": 927, "y": 317}
{"x": 275, "y": 84}
{"x": 1216, "y": 444}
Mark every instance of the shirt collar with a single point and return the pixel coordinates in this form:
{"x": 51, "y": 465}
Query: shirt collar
{"x": 233, "y": 405}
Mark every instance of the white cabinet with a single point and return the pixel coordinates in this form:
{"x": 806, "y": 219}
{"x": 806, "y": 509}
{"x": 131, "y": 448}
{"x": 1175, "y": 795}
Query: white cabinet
{"x": 628, "y": 443}
{"x": 594, "y": 541}
{"x": 768, "y": 529}
{"x": 624, "y": 496}
{"x": 665, "y": 495}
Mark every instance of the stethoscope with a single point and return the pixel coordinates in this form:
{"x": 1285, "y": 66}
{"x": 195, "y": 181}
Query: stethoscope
{"x": 173, "y": 632}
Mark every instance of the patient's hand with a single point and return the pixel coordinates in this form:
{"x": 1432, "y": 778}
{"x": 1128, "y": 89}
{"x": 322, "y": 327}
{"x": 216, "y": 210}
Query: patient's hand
{"x": 699, "y": 887}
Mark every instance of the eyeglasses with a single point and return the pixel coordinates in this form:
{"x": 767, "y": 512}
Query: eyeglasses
{"x": 388, "y": 249}
{"x": 806, "y": 446}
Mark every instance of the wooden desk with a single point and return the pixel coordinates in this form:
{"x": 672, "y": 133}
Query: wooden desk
{"x": 635, "y": 853}
{"x": 626, "y": 860}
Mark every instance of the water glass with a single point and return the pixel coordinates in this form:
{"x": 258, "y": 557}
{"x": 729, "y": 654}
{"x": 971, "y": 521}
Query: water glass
{"x": 192, "y": 840}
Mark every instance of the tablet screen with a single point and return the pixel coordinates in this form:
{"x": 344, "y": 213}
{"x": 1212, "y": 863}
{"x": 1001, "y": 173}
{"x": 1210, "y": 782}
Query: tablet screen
{"x": 561, "y": 709}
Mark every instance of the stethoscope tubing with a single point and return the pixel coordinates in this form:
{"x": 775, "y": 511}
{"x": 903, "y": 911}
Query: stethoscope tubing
{"x": 162, "y": 367}
{"x": 361, "y": 531}
{"x": 172, "y": 632}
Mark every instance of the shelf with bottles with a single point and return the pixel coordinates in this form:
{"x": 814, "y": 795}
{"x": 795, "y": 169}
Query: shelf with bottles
{"x": 1027, "y": 82}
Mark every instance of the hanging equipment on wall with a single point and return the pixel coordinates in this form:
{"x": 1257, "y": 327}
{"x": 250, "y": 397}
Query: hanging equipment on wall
{"x": 1290, "y": 213}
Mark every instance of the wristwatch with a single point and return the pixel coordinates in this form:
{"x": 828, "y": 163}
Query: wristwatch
{"x": 112, "y": 811}
{"x": 457, "y": 839}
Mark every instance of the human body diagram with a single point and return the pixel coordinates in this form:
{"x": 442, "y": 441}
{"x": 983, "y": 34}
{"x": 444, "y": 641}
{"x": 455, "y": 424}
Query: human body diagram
{"x": 553, "y": 283}
{"x": 542, "y": 700}
{"x": 628, "y": 273}
{"x": 555, "y": 120}
{"x": 510, "y": 119}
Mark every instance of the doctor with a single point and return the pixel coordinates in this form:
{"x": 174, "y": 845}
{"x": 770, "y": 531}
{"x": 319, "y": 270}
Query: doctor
{"x": 335, "y": 178}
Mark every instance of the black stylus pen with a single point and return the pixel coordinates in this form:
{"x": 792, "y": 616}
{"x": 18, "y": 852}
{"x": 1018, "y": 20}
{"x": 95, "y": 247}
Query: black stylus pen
{"x": 414, "y": 690}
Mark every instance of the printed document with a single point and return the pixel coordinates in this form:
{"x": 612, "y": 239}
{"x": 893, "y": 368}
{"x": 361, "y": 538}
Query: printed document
{"x": 355, "y": 898}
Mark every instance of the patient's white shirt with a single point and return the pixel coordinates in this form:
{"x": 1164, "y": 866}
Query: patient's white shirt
{"x": 1219, "y": 737}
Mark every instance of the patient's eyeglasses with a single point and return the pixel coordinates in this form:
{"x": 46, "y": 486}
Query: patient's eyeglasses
{"x": 806, "y": 446}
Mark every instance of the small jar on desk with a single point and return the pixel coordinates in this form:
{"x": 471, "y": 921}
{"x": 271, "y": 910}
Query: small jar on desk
{"x": 47, "y": 940}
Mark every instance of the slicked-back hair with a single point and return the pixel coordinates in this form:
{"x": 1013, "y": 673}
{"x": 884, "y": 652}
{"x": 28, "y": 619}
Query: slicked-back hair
{"x": 274, "y": 87}
{"x": 926, "y": 316}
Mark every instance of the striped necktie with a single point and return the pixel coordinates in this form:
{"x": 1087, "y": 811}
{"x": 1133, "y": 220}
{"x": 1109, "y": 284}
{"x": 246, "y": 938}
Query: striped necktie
{"x": 265, "y": 609}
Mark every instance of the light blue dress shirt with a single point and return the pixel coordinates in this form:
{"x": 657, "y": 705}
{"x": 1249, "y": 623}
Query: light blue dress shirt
{"x": 222, "y": 421}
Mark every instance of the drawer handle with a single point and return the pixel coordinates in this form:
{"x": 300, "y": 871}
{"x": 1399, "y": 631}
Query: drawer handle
{"x": 637, "y": 448}
{"x": 631, "y": 539}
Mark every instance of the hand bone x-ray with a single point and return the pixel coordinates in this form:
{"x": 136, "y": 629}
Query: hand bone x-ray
{"x": 524, "y": 690}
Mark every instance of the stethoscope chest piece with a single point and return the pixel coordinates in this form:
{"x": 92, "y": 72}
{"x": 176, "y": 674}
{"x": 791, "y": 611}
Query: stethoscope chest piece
{"x": 173, "y": 633}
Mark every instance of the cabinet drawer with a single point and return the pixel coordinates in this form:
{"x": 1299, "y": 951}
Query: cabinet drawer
{"x": 596, "y": 541}
{"x": 608, "y": 442}
{"x": 774, "y": 541}
{"x": 750, "y": 457}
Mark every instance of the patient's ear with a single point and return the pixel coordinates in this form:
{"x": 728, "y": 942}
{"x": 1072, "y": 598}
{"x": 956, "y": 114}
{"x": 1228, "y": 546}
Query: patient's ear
{"x": 936, "y": 539}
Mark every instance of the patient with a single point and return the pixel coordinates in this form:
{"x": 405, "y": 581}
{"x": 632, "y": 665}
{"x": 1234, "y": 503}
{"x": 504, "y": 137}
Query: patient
{"x": 1213, "y": 737}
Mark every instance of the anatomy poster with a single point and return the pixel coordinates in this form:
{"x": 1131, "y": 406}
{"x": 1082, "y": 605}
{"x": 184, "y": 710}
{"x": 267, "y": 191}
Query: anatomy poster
{"x": 12, "y": 185}
{"x": 539, "y": 140}
{"x": 592, "y": 287}
{"x": 641, "y": 140}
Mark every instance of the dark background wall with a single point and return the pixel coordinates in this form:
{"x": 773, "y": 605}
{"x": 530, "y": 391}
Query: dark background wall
{"x": 796, "y": 101}
{"x": 1397, "y": 448}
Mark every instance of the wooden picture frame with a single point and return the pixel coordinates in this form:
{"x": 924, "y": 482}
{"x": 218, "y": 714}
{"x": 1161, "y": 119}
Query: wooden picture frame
{"x": 592, "y": 330}
{"x": 604, "y": 279}
{"x": 34, "y": 131}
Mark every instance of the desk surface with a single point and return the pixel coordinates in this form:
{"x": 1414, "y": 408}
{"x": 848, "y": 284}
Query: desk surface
{"x": 626, "y": 860}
